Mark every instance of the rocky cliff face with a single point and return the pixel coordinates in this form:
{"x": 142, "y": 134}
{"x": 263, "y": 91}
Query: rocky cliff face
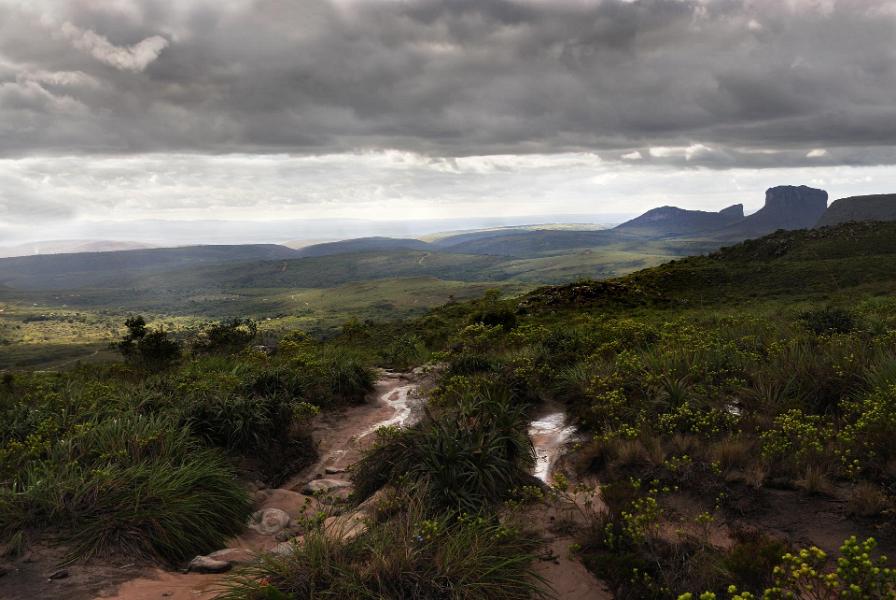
{"x": 877, "y": 207}
{"x": 792, "y": 207}
{"x": 786, "y": 207}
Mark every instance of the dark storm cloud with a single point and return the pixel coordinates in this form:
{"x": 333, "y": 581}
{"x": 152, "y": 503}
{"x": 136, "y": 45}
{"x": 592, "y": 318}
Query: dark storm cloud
{"x": 734, "y": 79}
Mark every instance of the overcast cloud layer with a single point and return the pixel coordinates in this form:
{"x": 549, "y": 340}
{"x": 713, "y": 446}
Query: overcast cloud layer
{"x": 168, "y": 107}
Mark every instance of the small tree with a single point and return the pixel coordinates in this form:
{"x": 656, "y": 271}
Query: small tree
{"x": 227, "y": 336}
{"x": 492, "y": 312}
{"x": 152, "y": 349}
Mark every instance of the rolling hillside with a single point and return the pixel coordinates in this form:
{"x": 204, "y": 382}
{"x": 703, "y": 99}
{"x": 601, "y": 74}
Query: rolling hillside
{"x": 806, "y": 263}
{"x": 368, "y": 244}
{"x": 673, "y": 221}
{"x": 112, "y": 269}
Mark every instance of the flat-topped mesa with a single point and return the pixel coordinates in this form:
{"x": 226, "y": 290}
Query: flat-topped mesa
{"x": 791, "y": 207}
{"x": 786, "y": 207}
{"x": 671, "y": 220}
{"x": 875, "y": 207}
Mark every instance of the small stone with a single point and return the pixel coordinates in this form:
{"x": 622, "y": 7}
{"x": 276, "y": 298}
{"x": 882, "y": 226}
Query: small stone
{"x": 233, "y": 556}
{"x": 204, "y": 564}
{"x": 333, "y": 470}
{"x": 318, "y": 486}
{"x": 60, "y": 574}
{"x": 288, "y": 534}
{"x": 288, "y": 547}
{"x": 268, "y": 521}
{"x": 346, "y": 527}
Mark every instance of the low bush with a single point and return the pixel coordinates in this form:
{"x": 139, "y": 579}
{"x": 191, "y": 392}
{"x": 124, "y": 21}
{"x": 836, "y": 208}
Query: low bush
{"x": 226, "y": 336}
{"x": 412, "y": 556}
{"x": 468, "y": 458}
{"x": 828, "y": 320}
{"x": 810, "y": 573}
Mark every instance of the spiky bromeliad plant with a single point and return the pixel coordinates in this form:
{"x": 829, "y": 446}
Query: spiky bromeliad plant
{"x": 466, "y": 459}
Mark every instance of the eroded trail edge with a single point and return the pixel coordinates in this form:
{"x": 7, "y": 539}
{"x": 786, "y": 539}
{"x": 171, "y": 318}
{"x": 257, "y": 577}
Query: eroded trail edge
{"x": 341, "y": 438}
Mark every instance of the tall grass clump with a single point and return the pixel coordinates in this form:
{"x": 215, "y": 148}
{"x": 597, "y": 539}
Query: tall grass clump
{"x": 134, "y": 484}
{"x": 413, "y": 556}
{"x": 466, "y": 459}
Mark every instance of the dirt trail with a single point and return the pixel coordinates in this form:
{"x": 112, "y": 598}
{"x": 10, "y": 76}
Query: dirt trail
{"x": 566, "y": 575}
{"x": 341, "y": 438}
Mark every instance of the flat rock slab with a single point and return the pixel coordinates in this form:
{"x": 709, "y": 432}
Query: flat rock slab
{"x": 205, "y": 564}
{"x": 346, "y": 527}
{"x": 233, "y": 556}
{"x": 323, "y": 486}
{"x": 290, "y": 501}
{"x": 269, "y": 521}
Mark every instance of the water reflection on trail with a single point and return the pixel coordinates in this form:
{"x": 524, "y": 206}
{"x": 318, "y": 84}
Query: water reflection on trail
{"x": 402, "y": 401}
{"x": 549, "y": 434}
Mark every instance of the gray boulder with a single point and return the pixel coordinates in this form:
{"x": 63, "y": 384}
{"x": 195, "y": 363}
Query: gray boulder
{"x": 269, "y": 521}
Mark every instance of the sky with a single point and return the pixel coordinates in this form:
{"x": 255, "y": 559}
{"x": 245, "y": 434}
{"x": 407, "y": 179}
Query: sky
{"x": 115, "y": 114}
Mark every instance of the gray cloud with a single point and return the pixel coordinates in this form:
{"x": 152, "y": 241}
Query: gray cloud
{"x": 749, "y": 82}
{"x": 133, "y": 58}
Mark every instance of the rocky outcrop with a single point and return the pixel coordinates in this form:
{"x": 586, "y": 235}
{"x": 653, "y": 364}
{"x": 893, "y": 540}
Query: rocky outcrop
{"x": 672, "y": 221}
{"x": 269, "y": 521}
{"x": 786, "y": 207}
{"x": 221, "y": 561}
{"x": 324, "y": 486}
{"x": 876, "y": 207}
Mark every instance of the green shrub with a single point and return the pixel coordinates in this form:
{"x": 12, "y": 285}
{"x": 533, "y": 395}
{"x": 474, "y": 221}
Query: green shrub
{"x": 856, "y": 575}
{"x": 241, "y": 423}
{"x": 867, "y": 441}
{"x": 226, "y": 336}
{"x": 149, "y": 349}
{"x": 405, "y": 352}
{"x": 828, "y": 320}
{"x": 347, "y": 378}
{"x": 752, "y": 559}
{"x": 135, "y": 484}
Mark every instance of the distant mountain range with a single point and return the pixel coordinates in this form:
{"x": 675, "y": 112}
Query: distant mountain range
{"x": 100, "y": 269}
{"x": 671, "y": 220}
{"x": 69, "y": 246}
{"x": 368, "y": 244}
{"x": 786, "y": 207}
{"x": 524, "y": 253}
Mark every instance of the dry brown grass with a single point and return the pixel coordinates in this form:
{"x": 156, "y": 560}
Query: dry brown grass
{"x": 815, "y": 480}
{"x": 732, "y": 453}
{"x": 756, "y": 474}
{"x": 681, "y": 444}
{"x": 868, "y": 500}
{"x": 630, "y": 453}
